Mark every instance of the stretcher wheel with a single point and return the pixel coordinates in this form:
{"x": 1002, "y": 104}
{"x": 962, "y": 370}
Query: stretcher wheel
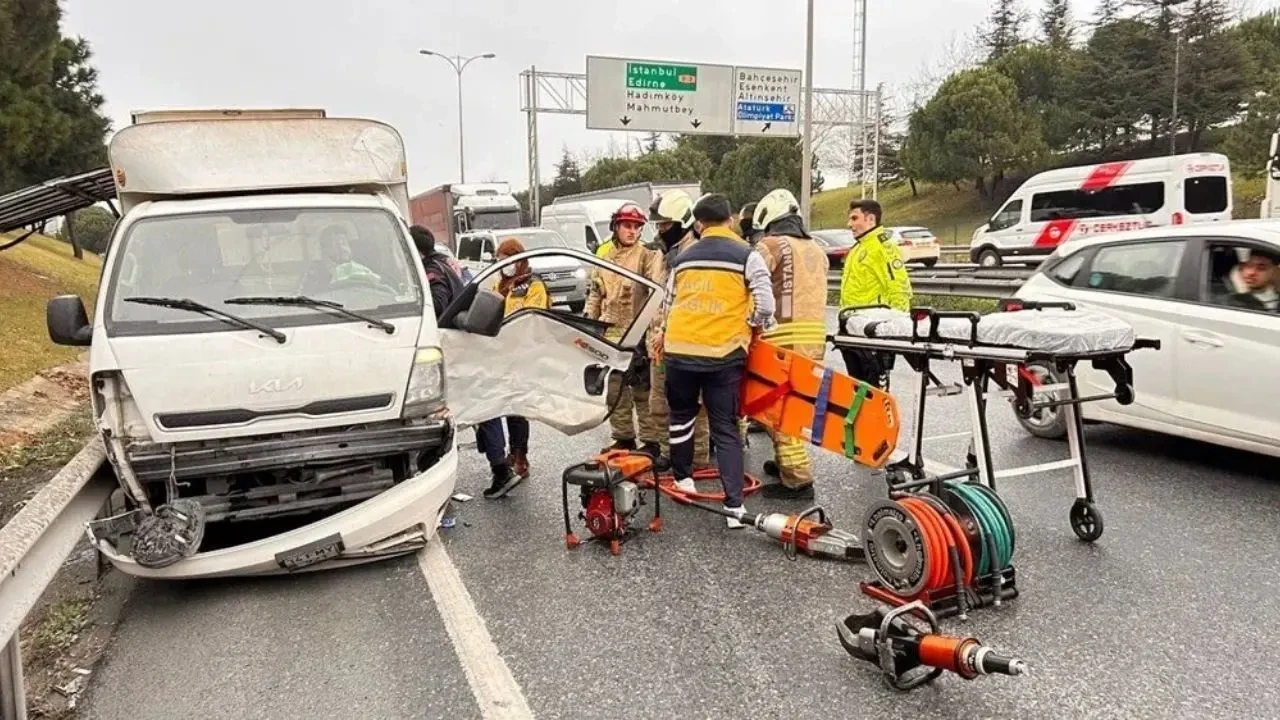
{"x": 1086, "y": 520}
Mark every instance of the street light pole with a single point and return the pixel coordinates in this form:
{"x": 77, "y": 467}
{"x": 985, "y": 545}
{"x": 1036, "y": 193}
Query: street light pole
{"x": 806, "y": 169}
{"x": 459, "y": 63}
{"x": 1177, "y": 63}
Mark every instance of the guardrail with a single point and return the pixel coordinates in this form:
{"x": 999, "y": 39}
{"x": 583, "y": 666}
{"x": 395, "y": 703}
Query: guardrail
{"x": 962, "y": 281}
{"x": 33, "y": 547}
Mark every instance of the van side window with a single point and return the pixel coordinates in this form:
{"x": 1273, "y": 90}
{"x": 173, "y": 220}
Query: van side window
{"x": 1241, "y": 277}
{"x": 1138, "y": 199}
{"x": 1203, "y": 195}
{"x": 1009, "y": 215}
{"x": 1148, "y": 268}
{"x": 593, "y": 242}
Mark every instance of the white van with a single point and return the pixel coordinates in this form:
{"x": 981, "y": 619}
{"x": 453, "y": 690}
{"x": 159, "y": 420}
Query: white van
{"x": 268, "y": 376}
{"x": 1056, "y": 205}
{"x": 585, "y": 224}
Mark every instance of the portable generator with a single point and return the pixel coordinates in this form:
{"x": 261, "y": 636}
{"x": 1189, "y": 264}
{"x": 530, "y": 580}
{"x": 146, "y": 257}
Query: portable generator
{"x": 611, "y": 488}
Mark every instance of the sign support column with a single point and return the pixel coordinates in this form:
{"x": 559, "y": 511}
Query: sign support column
{"x": 806, "y": 163}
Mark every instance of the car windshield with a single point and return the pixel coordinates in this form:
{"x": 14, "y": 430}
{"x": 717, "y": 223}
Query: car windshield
{"x": 536, "y": 239}
{"x": 356, "y": 257}
{"x": 916, "y": 233}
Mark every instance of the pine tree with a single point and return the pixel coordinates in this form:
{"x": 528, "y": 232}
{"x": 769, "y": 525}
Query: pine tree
{"x": 1108, "y": 12}
{"x": 652, "y": 143}
{"x": 1055, "y": 23}
{"x": 1004, "y": 29}
{"x": 568, "y": 178}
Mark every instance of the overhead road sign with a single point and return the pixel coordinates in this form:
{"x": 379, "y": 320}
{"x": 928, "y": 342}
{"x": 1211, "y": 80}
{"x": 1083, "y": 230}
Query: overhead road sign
{"x": 682, "y": 97}
{"x": 766, "y": 101}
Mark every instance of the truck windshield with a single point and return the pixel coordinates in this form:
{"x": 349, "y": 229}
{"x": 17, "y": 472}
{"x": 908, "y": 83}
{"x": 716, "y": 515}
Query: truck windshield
{"x": 357, "y": 258}
{"x": 496, "y": 220}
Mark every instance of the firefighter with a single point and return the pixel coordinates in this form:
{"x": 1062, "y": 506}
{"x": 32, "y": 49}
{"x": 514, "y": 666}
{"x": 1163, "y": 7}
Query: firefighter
{"x": 720, "y": 297}
{"x": 672, "y": 215}
{"x": 874, "y": 274}
{"x": 798, "y": 268}
{"x": 610, "y": 300}
{"x": 746, "y": 224}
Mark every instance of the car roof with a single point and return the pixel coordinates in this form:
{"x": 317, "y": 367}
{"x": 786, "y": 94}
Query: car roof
{"x": 1261, "y": 230}
{"x": 907, "y": 227}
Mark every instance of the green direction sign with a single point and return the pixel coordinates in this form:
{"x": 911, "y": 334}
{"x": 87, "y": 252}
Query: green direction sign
{"x": 658, "y": 76}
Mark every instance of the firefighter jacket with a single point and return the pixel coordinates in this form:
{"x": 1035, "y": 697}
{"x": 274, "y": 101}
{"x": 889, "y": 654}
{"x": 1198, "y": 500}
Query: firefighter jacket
{"x": 528, "y": 293}
{"x": 798, "y": 270}
{"x": 874, "y": 274}
{"x": 610, "y": 297}
{"x": 720, "y": 291}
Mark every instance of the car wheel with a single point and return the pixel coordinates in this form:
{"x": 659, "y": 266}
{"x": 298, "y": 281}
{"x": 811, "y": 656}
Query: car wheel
{"x": 930, "y": 262}
{"x": 577, "y": 307}
{"x": 989, "y": 258}
{"x": 1048, "y": 423}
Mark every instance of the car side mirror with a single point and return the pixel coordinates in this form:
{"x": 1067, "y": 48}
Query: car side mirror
{"x": 484, "y": 316}
{"x": 67, "y": 321}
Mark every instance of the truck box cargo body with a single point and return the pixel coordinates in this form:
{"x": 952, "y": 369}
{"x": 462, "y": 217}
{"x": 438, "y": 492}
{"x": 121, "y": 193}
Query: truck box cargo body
{"x": 642, "y": 193}
{"x": 450, "y": 210}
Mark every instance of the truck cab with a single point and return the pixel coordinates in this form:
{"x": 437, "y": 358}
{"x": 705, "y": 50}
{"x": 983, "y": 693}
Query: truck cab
{"x": 267, "y": 373}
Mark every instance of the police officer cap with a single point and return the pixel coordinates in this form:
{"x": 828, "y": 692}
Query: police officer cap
{"x": 712, "y": 208}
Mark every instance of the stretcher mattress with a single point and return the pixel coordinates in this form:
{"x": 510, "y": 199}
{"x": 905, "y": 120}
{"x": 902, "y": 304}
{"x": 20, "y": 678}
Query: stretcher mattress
{"x": 1050, "y": 330}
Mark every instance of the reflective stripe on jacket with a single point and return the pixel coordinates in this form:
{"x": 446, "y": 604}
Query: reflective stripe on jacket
{"x": 798, "y": 270}
{"x": 711, "y": 303}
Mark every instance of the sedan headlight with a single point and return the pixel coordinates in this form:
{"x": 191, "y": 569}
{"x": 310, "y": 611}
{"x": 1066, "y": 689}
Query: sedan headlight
{"x": 425, "y": 394}
{"x": 580, "y": 273}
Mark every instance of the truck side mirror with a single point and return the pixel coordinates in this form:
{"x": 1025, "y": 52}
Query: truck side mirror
{"x": 484, "y": 316}
{"x": 67, "y": 321}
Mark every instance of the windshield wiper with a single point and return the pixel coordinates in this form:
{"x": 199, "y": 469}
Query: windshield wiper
{"x": 304, "y": 301}
{"x": 193, "y": 306}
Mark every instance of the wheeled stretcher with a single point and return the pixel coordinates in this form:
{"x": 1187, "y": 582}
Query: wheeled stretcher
{"x": 1000, "y": 348}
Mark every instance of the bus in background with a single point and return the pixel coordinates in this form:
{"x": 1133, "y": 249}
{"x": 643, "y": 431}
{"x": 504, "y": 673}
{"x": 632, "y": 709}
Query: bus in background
{"x": 1053, "y": 206}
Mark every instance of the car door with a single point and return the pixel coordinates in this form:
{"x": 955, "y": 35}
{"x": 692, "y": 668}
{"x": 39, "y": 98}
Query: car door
{"x": 1228, "y": 357}
{"x": 1136, "y": 282}
{"x": 547, "y": 366}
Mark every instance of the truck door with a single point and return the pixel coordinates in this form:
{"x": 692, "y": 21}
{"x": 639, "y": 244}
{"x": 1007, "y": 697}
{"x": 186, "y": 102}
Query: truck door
{"x": 548, "y": 366}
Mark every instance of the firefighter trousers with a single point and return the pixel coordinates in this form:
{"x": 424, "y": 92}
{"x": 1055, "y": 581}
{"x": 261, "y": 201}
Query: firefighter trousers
{"x": 631, "y": 420}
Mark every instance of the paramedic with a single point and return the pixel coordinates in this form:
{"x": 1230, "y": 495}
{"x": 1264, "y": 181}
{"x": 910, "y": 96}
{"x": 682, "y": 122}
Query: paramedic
{"x": 521, "y": 289}
{"x": 672, "y": 215}
{"x": 609, "y": 300}
{"x": 798, "y": 268}
{"x": 721, "y": 296}
{"x": 874, "y": 274}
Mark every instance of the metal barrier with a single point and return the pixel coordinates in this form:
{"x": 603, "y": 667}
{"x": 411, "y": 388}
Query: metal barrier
{"x": 33, "y": 547}
{"x": 959, "y": 282}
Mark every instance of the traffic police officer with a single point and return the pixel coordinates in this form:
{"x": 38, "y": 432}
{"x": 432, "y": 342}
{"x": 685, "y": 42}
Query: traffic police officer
{"x": 721, "y": 296}
{"x": 610, "y": 300}
{"x": 798, "y": 269}
{"x": 874, "y": 274}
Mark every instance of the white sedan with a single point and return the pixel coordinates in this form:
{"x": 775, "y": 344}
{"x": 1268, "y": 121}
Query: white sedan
{"x": 1209, "y": 294}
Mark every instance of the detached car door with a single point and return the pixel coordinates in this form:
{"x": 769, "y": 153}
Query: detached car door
{"x": 545, "y": 365}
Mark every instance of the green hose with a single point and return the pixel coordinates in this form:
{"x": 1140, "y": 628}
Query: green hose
{"x": 992, "y": 521}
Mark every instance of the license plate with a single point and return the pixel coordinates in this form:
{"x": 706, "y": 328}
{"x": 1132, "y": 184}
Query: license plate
{"x": 559, "y": 298}
{"x": 311, "y": 553}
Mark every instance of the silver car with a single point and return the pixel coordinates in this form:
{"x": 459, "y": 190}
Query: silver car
{"x": 566, "y": 278}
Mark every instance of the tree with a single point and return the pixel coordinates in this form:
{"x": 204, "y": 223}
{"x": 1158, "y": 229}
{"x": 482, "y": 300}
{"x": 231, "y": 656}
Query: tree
{"x": 1248, "y": 142}
{"x": 1004, "y": 29}
{"x": 1055, "y": 23}
{"x": 1215, "y": 71}
{"x": 568, "y": 178}
{"x": 973, "y": 128}
{"x": 760, "y": 165}
{"x": 1046, "y": 80}
{"x": 1107, "y": 12}
{"x": 652, "y": 143}
{"x": 92, "y": 227}
{"x": 50, "y": 109}
{"x": 1118, "y": 82}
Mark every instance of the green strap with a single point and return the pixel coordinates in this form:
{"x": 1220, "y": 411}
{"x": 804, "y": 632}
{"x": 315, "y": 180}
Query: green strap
{"x": 852, "y": 417}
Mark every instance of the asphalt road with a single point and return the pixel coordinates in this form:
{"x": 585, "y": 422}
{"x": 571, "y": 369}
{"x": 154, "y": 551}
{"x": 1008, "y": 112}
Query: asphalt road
{"x": 1172, "y": 614}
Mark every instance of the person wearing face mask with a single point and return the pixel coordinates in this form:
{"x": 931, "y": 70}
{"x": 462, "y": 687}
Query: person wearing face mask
{"x": 672, "y": 213}
{"x": 611, "y": 300}
{"x": 746, "y": 224}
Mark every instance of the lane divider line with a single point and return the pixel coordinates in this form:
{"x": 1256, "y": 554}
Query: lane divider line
{"x": 494, "y": 687}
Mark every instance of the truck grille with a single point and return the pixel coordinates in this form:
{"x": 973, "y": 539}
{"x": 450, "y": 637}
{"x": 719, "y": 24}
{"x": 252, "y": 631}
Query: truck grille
{"x": 558, "y": 276}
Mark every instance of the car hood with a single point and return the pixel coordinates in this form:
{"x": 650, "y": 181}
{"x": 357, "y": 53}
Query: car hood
{"x": 545, "y": 263}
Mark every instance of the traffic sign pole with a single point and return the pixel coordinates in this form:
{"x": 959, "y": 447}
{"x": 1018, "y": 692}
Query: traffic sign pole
{"x": 806, "y": 163}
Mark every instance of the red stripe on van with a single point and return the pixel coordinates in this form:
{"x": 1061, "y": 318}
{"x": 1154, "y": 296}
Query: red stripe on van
{"x": 1056, "y": 231}
{"x": 1105, "y": 175}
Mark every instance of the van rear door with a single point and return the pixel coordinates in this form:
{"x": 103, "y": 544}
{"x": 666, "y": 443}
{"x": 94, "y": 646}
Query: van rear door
{"x": 1206, "y": 191}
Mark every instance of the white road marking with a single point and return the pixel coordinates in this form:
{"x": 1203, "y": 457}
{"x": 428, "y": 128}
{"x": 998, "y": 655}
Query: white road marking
{"x": 495, "y": 688}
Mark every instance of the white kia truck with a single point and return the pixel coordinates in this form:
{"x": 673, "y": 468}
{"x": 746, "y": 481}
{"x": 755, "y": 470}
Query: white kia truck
{"x": 267, "y": 373}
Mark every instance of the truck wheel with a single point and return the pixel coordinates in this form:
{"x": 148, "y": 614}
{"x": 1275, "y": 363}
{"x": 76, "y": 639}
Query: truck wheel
{"x": 989, "y": 258}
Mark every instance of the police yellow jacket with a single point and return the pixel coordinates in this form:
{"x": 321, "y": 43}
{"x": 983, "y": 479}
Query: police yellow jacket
{"x": 874, "y": 274}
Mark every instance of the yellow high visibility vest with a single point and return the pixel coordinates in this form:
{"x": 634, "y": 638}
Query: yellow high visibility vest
{"x": 712, "y": 302}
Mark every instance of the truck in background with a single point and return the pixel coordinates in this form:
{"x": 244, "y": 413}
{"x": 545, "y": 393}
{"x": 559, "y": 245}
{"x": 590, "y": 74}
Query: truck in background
{"x": 641, "y": 193}
{"x": 1271, "y": 198}
{"x": 451, "y": 210}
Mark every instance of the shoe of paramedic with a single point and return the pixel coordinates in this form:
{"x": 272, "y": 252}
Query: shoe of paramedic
{"x": 522, "y": 288}
{"x": 672, "y": 215}
{"x": 798, "y": 269}
{"x": 610, "y": 300}
{"x": 721, "y": 296}
{"x": 874, "y": 274}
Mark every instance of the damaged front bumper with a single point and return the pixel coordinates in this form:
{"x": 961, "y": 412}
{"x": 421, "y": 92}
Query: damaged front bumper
{"x": 396, "y": 521}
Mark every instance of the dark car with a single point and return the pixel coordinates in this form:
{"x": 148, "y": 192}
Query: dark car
{"x": 836, "y": 243}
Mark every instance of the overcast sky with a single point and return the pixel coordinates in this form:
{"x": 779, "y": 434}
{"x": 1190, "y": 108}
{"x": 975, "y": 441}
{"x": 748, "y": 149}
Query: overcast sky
{"x": 332, "y": 54}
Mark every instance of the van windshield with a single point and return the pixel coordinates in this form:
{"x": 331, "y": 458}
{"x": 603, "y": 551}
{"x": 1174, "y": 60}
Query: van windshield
{"x": 355, "y": 257}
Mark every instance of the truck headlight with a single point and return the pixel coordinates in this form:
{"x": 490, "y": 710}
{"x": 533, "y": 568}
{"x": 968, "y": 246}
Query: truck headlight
{"x": 425, "y": 394}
